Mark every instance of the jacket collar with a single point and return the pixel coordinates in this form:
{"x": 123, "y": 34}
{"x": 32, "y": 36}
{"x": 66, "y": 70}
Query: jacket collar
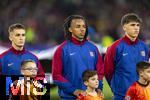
{"x": 128, "y": 41}
{"x": 17, "y": 51}
{"x": 77, "y": 42}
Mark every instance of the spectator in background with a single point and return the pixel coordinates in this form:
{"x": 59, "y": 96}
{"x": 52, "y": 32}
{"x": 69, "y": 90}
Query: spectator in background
{"x": 122, "y": 56}
{"x": 73, "y": 57}
{"x": 40, "y": 14}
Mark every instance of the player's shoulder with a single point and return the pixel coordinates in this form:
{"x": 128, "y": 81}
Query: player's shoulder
{"x": 142, "y": 42}
{"x": 91, "y": 43}
{"x": 114, "y": 45}
{"x": 29, "y": 53}
{"x": 61, "y": 46}
{"x": 6, "y": 52}
{"x": 117, "y": 42}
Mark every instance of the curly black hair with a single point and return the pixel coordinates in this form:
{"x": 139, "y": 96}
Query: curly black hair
{"x": 67, "y": 24}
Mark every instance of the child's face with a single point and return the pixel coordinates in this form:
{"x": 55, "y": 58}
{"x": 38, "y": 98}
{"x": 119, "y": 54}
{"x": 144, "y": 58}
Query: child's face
{"x": 30, "y": 69}
{"x": 146, "y": 74}
{"x": 92, "y": 82}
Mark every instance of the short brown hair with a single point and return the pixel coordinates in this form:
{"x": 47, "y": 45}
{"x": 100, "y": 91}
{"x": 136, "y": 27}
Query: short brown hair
{"x": 23, "y": 63}
{"x": 140, "y": 66}
{"x": 87, "y": 74}
{"x": 16, "y": 26}
{"x": 130, "y": 17}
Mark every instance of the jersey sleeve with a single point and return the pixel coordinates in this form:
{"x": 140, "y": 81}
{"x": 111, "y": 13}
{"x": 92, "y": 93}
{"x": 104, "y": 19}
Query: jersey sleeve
{"x": 57, "y": 74}
{"x": 109, "y": 64}
{"x": 109, "y": 61}
{"x": 40, "y": 73}
{"x": 100, "y": 70}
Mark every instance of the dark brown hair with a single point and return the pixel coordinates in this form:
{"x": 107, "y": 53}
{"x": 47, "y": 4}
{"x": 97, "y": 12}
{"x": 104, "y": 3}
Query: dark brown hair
{"x": 67, "y": 24}
{"x": 23, "y": 63}
{"x": 87, "y": 74}
{"x": 140, "y": 66}
{"x": 130, "y": 17}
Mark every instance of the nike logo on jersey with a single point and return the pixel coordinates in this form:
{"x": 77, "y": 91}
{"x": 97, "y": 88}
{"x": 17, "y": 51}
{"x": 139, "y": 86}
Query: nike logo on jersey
{"x": 124, "y": 54}
{"x": 91, "y": 54}
{"x": 72, "y": 53}
{"x": 10, "y": 64}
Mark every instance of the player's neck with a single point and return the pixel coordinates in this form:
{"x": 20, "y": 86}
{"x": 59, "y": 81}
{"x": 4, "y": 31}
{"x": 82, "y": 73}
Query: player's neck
{"x": 131, "y": 38}
{"x": 77, "y": 38}
{"x": 17, "y": 48}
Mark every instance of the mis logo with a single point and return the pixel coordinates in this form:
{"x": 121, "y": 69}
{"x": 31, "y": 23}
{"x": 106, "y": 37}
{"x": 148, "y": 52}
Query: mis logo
{"x": 31, "y": 86}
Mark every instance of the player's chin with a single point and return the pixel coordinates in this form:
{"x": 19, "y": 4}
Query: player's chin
{"x": 20, "y": 45}
{"x": 96, "y": 86}
{"x": 136, "y": 34}
{"x": 81, "y": 37}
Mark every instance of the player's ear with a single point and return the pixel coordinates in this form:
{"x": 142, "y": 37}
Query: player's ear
{"x": 140, "y": 73}
{"x": 124, "y": 27}
{"x": 70, "y": 30}
{"x": 86, "y": 83}
{"x": 10, "y": 36}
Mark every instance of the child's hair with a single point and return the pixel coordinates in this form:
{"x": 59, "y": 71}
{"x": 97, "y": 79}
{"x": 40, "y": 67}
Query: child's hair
{"x": 23, "y": 63}
{"x": 140, "y": 66}
{"x": 87, "y": 74}
{"x": 130, "y": 17}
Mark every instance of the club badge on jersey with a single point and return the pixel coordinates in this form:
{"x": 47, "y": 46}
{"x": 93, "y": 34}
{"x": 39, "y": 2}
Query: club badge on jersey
{"x": 91, "y": 54}
{"x": 142, "y": 53}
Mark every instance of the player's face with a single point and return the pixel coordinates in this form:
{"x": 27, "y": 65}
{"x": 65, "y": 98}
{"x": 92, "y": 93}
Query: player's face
{"x": 146, "y": 74}
{"x": 132, "y": 29}
{"x": 17, "y": 37}
{"x": 93, "y": 82}
{"x": 78, "y": 29}
{"x": 30, "y": 69}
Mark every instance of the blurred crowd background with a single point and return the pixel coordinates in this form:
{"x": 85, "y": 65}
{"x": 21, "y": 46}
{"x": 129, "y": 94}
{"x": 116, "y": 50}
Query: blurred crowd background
{"x": 44, "y": 19}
